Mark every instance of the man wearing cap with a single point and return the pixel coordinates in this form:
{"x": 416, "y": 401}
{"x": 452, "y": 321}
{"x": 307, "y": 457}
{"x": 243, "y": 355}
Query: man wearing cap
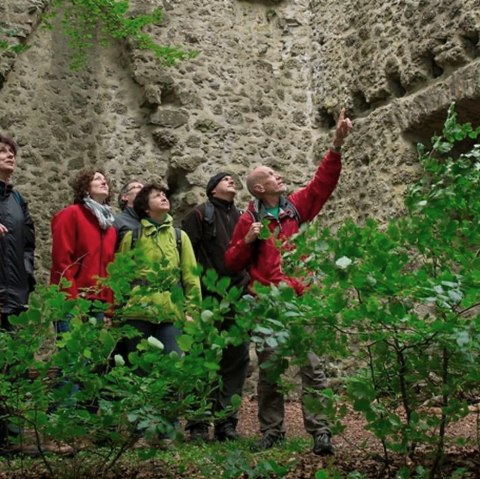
{"x": 127, "y": 219}
{"x": 263, "y": 258}
{"x": 210, "y": 226}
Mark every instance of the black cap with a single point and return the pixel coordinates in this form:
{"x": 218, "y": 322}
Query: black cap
{"x": 214, "y": 181}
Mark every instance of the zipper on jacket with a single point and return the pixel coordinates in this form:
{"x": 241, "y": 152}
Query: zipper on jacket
{"x": 101, "y": 253}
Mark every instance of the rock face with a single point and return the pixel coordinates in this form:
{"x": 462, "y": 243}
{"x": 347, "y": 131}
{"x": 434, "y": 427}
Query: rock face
{"x": 265, "y": 88}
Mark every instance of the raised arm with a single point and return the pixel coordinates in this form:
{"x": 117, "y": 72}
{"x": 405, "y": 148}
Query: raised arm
{"x": 190, "y": 280}
{"x": 310, "y": 199}
{"x": 342, "y": 130}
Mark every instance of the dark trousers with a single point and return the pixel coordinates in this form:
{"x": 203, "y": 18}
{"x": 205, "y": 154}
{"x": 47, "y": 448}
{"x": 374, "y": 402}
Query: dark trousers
{"x": 6, "y": 428}
{"x": 271, "y": 408}
{"x": 233, "y": 371}
{"x": 167, "y": 333}
{"x": 5, "y": 323}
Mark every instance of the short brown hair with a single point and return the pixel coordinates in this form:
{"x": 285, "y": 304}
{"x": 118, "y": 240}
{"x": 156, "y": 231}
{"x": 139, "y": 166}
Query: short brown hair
{"x": 81, "y": 184}
{"x": 10, "y": 142}
{"x": 140, "y": 204}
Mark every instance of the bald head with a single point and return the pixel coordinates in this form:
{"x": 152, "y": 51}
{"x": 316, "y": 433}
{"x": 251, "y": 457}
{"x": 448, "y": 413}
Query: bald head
{"x": 254, "y": 178}
{"x": 263, "y": 181}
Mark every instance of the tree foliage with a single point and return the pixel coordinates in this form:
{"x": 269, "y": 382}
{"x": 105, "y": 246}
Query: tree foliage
{"x": 98, "y": 22}
{"x": 401, "y": 299}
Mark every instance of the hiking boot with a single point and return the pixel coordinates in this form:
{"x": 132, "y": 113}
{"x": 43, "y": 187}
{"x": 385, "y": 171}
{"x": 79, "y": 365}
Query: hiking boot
{"x": 322, "y": 445}
{"x": 226, "y": 432}
{"x": 199, "y": 433}
{"x": 267, "y": 442}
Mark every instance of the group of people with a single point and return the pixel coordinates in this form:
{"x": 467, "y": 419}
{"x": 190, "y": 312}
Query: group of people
{"x": 216, "y": 234}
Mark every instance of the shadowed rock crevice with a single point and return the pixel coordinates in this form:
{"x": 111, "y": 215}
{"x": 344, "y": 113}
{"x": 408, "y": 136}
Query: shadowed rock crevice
{"x": 395, "y": 84}
{"x": 431, "y": 66}
{"x": 176, "y": 179}
{"x": 432, "y": 124}
{"x": 360, "y": 103}
{"x": 325, "y": 119}
{"x": 471, "y": 43}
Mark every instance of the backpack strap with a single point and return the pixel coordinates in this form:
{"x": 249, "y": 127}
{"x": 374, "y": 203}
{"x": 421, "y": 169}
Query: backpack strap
{"x": 19, "y": 199}
{"x": 136, "y": 233}
{"x": 209, "y": 219}
{"x": 178, "y": 238}
{"x": 290, "y": 209}
{"x": 255, "y": 216}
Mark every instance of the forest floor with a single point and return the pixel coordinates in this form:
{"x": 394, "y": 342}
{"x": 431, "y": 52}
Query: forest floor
{"x": 356, "y": 449}
{"x": 358, "y": 455}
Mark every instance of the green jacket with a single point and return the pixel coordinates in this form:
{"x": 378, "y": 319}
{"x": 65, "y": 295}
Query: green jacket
{"x": 157, "y": 251}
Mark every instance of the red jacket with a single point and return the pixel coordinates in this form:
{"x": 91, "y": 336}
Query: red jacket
{"x": 262, "y": 258}
{"x": 81, "y": 251}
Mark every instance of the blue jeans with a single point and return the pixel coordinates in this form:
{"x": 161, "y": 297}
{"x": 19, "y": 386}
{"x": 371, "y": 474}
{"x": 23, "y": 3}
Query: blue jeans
{"x": 167, "y": 333}
{"x": 63, "y": 326}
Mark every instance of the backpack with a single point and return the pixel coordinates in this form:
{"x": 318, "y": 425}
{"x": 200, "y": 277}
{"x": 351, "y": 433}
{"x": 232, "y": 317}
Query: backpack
{"x": 18, "y": 198}
{"x": 208, "y": 218}
{"x": 286, "y": 205}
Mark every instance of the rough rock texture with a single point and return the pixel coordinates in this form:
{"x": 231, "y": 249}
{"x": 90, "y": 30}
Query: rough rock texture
{"x": 266, "y": 87}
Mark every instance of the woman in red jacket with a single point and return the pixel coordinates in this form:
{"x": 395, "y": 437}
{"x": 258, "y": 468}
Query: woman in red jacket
{"x": 84, "y": 240}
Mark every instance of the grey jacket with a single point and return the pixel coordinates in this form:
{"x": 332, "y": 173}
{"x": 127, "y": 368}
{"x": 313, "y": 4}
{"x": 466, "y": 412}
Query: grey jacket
{"x": 125, "y": 221}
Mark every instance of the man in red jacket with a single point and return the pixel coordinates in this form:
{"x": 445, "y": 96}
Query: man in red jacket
{"x": 263, "y": 261}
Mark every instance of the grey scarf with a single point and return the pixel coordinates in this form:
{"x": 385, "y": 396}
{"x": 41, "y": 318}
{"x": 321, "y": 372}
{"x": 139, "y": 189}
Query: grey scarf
{"x": 102, "y": 212}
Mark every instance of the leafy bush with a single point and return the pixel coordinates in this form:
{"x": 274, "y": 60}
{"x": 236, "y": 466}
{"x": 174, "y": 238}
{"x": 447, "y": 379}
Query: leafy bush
{"x": 83, "y": 395}
{"x": 403, "y": 299}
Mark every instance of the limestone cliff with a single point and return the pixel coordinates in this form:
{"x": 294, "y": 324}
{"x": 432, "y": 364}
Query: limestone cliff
{"x": 266, "y": 87}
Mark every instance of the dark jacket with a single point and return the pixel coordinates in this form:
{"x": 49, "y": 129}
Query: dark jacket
{"x": 262, "y": 257}
{"x": 210, "y": 243}
{"x": 125, "y": 221}
{"x": 16, "y": 251}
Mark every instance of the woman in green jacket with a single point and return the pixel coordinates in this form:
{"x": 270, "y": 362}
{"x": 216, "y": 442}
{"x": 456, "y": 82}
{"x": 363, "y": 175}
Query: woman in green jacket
{"x": 165, "y": 254}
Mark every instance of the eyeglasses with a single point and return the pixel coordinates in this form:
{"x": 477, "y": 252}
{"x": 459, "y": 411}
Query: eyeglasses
{"x": 136, "y": 187}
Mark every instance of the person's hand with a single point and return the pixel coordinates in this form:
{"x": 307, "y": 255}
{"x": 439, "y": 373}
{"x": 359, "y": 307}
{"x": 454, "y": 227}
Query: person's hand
{"x": 188, "y": 318}
{"x": 253, "y": 233}
{"x": 343, "y": 129}
{"x": 3, "y": 230}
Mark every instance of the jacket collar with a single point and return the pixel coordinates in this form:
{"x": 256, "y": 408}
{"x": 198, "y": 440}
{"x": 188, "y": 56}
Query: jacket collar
{"x": 226, "y": 205}
{"x": 259, "y": 208}
{"x": 5, "y": 188}
{"x": 151, "y": 229}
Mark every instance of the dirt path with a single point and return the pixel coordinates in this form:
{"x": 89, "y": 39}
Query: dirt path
{"x": 357, "y": 449}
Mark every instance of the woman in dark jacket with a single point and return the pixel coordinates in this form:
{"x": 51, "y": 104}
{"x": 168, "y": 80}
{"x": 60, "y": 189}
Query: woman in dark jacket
{"x": 17, "y": 243}
{"x": 17, "y": 239}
